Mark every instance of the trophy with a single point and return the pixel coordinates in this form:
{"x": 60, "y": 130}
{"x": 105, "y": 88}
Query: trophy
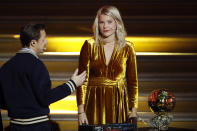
{"x": 161, "y": 102}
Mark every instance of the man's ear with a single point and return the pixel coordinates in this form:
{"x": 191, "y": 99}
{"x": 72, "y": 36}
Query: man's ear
{"x": 32, "y": 43}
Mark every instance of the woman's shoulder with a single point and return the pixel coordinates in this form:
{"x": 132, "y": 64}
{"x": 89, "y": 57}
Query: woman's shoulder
{"x": 90, "y": 42}
{"x": 129, "y": 45}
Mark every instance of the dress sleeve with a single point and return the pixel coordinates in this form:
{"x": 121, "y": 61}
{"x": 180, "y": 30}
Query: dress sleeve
{"x": 132, "y": 80}
{"x": 84, "y": 62}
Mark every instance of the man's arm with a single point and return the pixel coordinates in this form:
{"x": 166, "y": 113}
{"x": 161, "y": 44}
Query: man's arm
{"x": 41, "y": 85}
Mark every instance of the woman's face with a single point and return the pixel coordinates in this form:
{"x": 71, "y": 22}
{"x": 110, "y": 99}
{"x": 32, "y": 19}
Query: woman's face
{"x": 107, "y": 25}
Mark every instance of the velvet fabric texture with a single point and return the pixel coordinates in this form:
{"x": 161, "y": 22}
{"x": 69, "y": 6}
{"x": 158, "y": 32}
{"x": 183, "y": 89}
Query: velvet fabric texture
{"x": 109, "y": 91}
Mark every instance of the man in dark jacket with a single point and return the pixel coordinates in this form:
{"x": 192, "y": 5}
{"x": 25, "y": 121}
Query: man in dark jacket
{"x": 25, "y": 85}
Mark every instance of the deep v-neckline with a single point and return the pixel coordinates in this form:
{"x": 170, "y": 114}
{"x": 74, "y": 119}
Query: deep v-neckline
{"x": 104, "y": 56}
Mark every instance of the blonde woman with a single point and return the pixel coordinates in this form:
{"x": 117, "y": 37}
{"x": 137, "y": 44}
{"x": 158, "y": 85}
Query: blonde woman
{"x": 110, "y": 91}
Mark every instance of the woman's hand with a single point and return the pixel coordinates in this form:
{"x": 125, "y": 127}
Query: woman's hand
{"x": 133, "y": 116}
{"x": 82, "y": 118}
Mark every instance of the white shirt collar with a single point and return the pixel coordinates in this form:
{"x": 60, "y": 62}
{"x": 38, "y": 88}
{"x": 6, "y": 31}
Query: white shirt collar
{"x": 27, "y": 50}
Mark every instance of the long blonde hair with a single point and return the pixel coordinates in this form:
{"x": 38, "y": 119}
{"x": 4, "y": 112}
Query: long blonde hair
{"x": 120, "y": 29}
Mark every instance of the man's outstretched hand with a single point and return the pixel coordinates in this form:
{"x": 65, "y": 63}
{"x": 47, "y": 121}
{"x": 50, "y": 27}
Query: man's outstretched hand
{"x": 78, "y": 79}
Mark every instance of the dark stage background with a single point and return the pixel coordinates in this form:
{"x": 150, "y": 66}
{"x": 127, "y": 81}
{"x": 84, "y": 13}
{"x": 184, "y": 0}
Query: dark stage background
{"x": 164, "y": 33}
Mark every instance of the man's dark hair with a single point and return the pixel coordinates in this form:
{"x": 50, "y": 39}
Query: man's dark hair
{"x": 30, "y": 32}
